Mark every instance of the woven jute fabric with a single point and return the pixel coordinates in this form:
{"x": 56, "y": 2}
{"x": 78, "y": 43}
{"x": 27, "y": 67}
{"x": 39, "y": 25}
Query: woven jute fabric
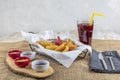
{"x": 79, "y": 70}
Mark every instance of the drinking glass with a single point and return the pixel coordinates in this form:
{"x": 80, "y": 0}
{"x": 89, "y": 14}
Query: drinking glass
{"x": 85, "y": 31}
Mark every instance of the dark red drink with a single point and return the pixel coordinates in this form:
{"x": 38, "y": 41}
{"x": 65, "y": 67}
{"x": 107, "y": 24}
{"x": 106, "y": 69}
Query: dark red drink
{"x": 85, "y": 32}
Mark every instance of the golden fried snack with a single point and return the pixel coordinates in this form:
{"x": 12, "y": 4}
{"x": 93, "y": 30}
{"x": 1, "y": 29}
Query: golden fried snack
{"x": 52, "y": 47}
{"x": 66, "y": 49}
{"x": 45, "y": 43}
{"x": 70, "y": 42}
{"x": 60, "y": 48}
{"x": 64, "y": 42}
{"x": 63, "y": 47}
{"x": 73, "y": 47}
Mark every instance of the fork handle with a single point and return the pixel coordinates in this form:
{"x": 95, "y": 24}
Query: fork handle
{"x": 113, "y": 67}
{"x": 104, "y": 64}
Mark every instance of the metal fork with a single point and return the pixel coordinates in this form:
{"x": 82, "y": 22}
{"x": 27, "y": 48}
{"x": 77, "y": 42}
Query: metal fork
{"x": 109, "y": 56}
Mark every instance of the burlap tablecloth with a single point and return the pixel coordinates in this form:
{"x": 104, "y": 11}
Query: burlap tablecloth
{"x": 78, "y": 71}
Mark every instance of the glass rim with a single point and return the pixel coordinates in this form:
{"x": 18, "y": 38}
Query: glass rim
{"x": 83, "y": 21}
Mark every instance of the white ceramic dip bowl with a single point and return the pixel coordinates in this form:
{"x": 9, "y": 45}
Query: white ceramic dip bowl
{"x": 28, "y": 54}
{"x": 40, "y": 65}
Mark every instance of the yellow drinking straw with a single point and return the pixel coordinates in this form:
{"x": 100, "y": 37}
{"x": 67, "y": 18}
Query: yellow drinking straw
{"x": 93, "y": 15}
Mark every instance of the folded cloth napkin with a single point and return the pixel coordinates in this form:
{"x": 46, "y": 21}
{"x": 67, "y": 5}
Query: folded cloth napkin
{"x": 97, "y": 66}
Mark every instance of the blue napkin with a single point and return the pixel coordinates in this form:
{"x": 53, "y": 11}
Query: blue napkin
{"x": 97, "y": 66}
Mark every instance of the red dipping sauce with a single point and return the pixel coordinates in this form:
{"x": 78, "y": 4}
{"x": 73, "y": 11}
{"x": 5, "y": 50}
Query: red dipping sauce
{"x": 14, "y": 53}
{"x": 22, "y": 62}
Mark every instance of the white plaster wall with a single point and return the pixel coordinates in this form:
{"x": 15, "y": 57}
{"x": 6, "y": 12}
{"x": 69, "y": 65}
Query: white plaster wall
{"x": 37, "y": 15}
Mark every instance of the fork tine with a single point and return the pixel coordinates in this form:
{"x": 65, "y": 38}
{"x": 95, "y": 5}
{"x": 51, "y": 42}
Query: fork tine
{"x": 106, "y": 53}
{"x": 111, "y": 53}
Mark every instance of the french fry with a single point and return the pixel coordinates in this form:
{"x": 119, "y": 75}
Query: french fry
{"x": 66, "y": 49}
{"x": 52, "y": 47}
{"x": 65, "y": 43}
{"x": 63, "y": 47}
{"x": 73, "y": 47}
{"x": 70, "y": 42}
{"x": 60, "y": 48}
{"x": 45, "y": 43}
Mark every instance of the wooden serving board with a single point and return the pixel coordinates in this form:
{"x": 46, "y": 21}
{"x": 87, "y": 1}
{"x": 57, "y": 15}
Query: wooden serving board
{"x": 28, "y": 71}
